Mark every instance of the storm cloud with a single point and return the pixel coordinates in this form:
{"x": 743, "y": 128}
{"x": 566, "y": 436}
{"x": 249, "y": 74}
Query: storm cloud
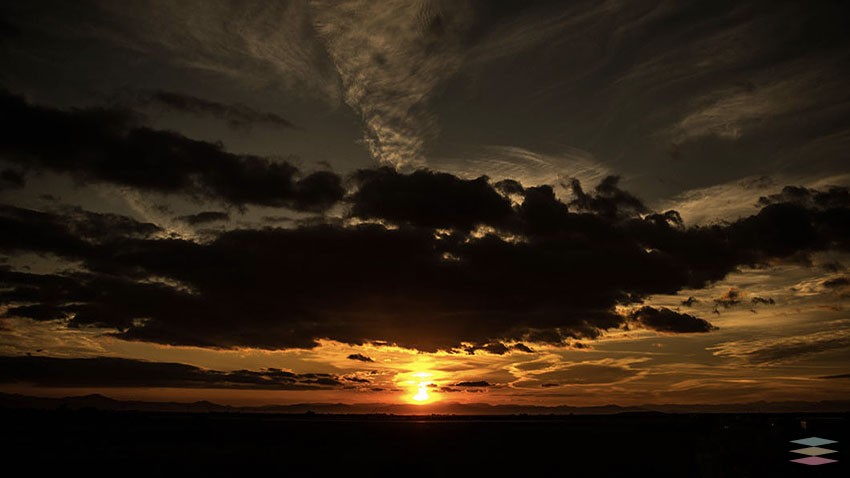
{"x": 666, "y": 320}
{"x": 543, "y": 273}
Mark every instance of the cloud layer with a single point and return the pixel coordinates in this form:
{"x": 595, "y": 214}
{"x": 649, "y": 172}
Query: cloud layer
{"x": 111, "y": 146}
{"x": 123, "y": 372}
{"x": 441, "y": 263}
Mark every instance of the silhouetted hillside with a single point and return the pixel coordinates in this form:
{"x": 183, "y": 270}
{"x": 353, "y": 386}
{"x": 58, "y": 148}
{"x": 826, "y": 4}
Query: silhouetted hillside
{"x": 101, "y": 402}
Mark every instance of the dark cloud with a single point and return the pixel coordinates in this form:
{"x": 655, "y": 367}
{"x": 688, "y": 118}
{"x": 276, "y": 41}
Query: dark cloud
{"x": 109, "y": 145}
{"x": 122, "y": 372}
{"x": 666, "y": 320}
{"x": 360, "y": 357}
{"x": 836, "y": 283}
{"x": 72, "y": 234}
{"x": 546, "y": 275}
{"x": 495, "y": 348}
{"x": 690, "y": 301}
{"x": 834, "y": 197}
{"x": 843, "y": 375}
{"x": 204, "y": 217}
{"x": 609, "y": 201}
{"x": 762, "y": 300}
{"x": 428, "y": 199}
{"x": 730, "y": 298}
{"x": 480, "y": 383}
{"x": 236, "y": 115}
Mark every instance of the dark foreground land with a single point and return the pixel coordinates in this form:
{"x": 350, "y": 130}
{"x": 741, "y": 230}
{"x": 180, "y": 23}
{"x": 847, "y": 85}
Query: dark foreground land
{"x": 640, "y": 444}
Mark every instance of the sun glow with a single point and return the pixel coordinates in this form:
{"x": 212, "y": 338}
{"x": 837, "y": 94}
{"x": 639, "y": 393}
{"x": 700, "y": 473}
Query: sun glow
{"x": 421, "y": 386}
{"x": 422, "y": 394}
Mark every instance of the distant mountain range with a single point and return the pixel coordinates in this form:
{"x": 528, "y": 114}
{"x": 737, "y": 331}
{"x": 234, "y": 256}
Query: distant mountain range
{"x": 101, "y": 402}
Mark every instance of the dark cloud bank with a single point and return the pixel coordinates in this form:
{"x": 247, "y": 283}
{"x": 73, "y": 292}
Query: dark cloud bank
{"x": 111, "y": 146}
{"x": 443, "y": 261}
{"x": 122, "y": 372}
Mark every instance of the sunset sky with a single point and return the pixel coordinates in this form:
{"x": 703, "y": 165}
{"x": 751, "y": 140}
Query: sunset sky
{"x": 419, "y": 201}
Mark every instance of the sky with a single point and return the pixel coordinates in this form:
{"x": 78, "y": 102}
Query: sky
{"x": 420, "y": 201}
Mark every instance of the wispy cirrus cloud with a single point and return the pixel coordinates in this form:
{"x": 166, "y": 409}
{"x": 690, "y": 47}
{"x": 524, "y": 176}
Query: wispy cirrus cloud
{"x": 531, "y": 168}
{"x": 258, "y": 43}
{"x": 731, "y": 112}
{"x": 777, "y": 350}
{"x": 391, "y": 57}
{"x": 739, "y": 198}
{"x": 549, "y": 374}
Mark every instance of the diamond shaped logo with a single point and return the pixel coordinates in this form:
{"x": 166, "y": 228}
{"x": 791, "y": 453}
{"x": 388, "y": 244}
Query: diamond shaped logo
{"x": 813, "y": 441}
{"x": 813, "y": 451}
{"x": 814, "y": 460}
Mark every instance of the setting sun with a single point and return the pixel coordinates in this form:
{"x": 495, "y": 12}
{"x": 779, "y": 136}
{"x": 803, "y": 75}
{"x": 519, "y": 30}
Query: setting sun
{"x": 422, "y": 394}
